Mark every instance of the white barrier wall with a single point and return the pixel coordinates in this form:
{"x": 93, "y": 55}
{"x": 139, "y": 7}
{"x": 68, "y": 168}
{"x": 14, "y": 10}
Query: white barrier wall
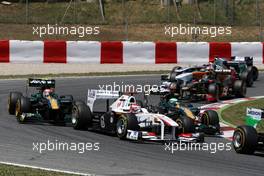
{"x": 17, "y": 51}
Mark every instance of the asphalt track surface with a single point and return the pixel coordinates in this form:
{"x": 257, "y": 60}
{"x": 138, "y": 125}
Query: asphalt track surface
{"x": 115, "y": 157}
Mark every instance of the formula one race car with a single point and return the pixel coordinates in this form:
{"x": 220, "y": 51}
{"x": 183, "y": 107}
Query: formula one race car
{"x": 191, "y": 119}
{"x": 128, "y": 120}
{"x": 177, "y": 70}
{"x": 44, "y": 105}
{"x": 210, "y": 85}
{"x": 246, "y": 139}
{"x": 243, "y": 66}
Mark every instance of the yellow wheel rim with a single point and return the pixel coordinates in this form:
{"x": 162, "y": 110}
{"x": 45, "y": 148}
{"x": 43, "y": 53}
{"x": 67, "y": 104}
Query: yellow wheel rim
{"x": 17, "y": 108}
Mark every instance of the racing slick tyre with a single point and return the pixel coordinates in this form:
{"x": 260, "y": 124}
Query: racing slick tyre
{"x": 12, "y": 100}
{"x": 245, "y": 139}
{"x": 240, "y": 89}
{"x": 186, "y": 125}
{"x": 255, "y": 73}
{"x": 173, "y": 76}
{"x": 247, "y": 76}
{"x": 174, "y": 69}
{"x": 81, "y": 116}
{"x": 210, "y": 118}
{"x": 173, "y": 73}
{"x": 23, "y": 105}
{"x": 213, "y": 89}
{"x": 124, "y": 123}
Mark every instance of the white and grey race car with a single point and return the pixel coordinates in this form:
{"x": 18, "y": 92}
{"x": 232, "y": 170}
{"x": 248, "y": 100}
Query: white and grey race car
{"x": 126, "y": 118}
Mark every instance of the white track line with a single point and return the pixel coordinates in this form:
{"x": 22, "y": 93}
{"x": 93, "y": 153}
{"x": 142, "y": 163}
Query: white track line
{"x": 45, "y": 169}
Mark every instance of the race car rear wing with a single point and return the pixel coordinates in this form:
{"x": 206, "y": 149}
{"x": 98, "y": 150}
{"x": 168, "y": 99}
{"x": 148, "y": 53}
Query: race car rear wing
{"x": 248, "y": 60}
{"x": 41, "y": 83}
{"x": 95, "y": 94}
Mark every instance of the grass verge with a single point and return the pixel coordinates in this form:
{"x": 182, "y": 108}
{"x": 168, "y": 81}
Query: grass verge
{"x": 235, "y": 114}
{"x": 146, "y": 20}
{"x": 85, "y": 74}
{"x": 7, "y": 170}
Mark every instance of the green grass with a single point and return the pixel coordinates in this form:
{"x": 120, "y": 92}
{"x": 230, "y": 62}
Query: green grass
{"x": 146, "y": 20}
{"x": 7, "y": 170}
{"x": 85, "y": 74}
{"x": 138, "y": 12}
{"x": 235, "y": 114}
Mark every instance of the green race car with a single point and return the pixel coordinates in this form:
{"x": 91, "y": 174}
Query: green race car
{"x": 44, "y": 105}
{"x": 246, "y": 138}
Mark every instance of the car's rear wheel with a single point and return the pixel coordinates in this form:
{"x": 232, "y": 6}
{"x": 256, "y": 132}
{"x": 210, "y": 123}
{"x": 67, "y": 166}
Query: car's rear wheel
{"x": 210, "y": 117}
{"x": 245, "y": 139}
{"x": 255, "y": 73}
{"x": 23, "y": 106}
{"x": 186, "y": 125}
{"x": 173, "y": 76}
{"x": 213, "y": 89}
{"x": 174, "y": 69}
{"x": 247, "y": 76}
{"x": 240, "y": 89}
{"x": 12, "y": 100}
{"x": 81, "y": 116}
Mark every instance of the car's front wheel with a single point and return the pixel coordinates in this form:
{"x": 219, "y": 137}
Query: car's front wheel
{"x": 186, "y": 125}
{"x": 126, "y": 122}
{"x": 245, "y": 139}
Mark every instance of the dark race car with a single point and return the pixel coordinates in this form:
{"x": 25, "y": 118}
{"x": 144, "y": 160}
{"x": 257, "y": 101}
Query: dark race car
{"x": 44, "y": 105}
{"x": 210, "y": 84}
{"x": 245, "y": 70}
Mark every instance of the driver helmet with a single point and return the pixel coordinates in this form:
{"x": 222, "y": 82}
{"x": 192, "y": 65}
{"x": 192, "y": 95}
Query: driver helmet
{"x": 47, "y": 92}
{"x": 135, "y": 108}
{"x": 174, "y": 102}
{"x": 173, "y": 87}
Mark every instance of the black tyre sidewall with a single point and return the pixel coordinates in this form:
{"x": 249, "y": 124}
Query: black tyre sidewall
{"x": 130, "y": 123}
{"x": 25, "y": 107}
{"x": 239, "y": 85}
{"x": 249, "y": 139}
{"x": 255, "y": 73}
{"x": 212, "y": 118}
{"x": 12, "y": 100}
{"x": 250, "y": 79}
{"x": 187, "y": 125}
{"x": 213, "y": 89}
{"x": 83, "y": 116}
